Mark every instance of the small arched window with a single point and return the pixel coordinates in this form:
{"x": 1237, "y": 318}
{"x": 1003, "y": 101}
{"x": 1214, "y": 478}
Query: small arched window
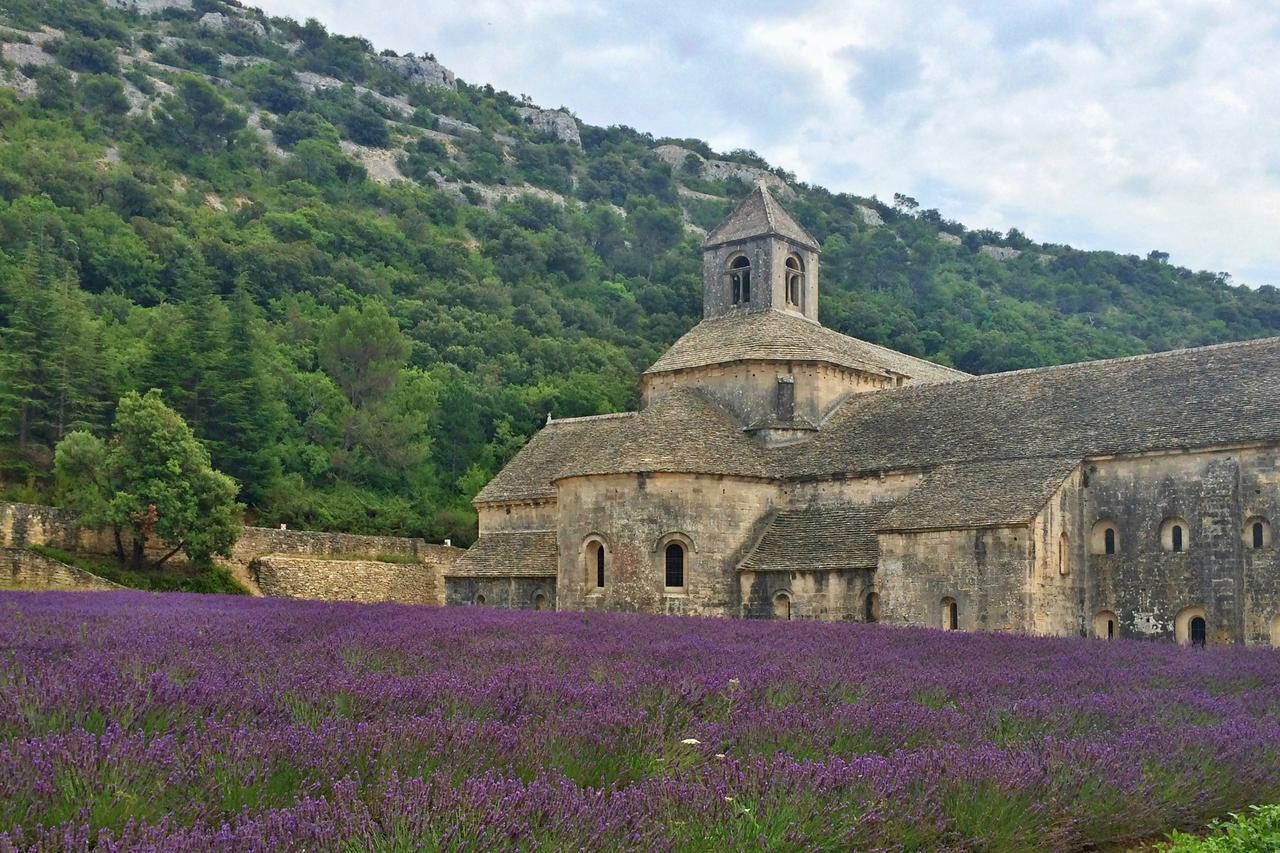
{"x": 782, "y": 606}
{"x": 871, "y": 608}
{"x": 1104, "y": 625}
{"x": 480, "y": 600}
{"x": 594, "y": 563}
{"x": 795, "y": 280}
{"x": 1257, "y": 533}
{"x": 539, "y": 602}
{"x": 1064, "y": 555}
{"x": 1191, "y": 626}
{"x": 674, "y": 565}
{"x": 1104, "y": 539}
{"x": 740, "y": 279}
{"x": 950, "y": 615}
{"x": 1175, "y": 535}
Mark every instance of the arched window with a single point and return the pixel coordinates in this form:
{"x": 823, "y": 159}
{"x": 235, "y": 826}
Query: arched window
{"x": 1064, "y": 555}
{"x": 740, "y": 279}
{"x": 782, "y": 606}
{"x": 1105, "y": 626}
{"x": 871, "y": 608}
{"x": 480, "y": 600}
{"x": 1257, "y": 533}
{"x": 1191, "y": 626}
{"x": 674, "y": 565}
{"x": 950, "y": 615}
{"x": 539, "y": 602}
{"x": 795, "y": 280}
{"x": 594, "y": 563}
{"x": 1175, "y": 535}
{"x": 1104, "y": 539}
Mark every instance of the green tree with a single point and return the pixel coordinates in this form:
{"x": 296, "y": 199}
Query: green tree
{"x": 195, "y": 117}
{"x": 154, "y": 481}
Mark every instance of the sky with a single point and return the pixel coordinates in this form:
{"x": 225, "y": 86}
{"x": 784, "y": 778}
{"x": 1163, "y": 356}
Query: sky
{"x": 1130, "y": 126}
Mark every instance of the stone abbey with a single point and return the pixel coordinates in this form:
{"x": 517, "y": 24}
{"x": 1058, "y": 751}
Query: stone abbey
{"x": 779, "y": 469}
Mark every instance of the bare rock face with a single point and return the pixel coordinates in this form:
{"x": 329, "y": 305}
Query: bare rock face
{"x": 949, "y": 238}
{"x": 870, "y": 216}
{"x": 999, "y": 253}
{"x": 722, "y": 170}
{"x": 218, "y": 22}
{"x": 25, "y": 54}
{"x": 420, "y": 70}
{"x": 555, "y": 123}
{"x": 151, "y": 7}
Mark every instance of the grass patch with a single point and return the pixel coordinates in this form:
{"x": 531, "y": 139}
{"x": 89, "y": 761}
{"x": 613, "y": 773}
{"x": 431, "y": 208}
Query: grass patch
{"x": 1257, "y": 830}
{"x": 180, "y": 577}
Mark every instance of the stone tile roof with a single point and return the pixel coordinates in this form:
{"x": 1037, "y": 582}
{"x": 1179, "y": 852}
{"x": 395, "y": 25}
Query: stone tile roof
{"x": 523, "y": 553}
{"x": 981, "y": 494}
{"x": 1186, "y": 398}
{"x": 681, "y": 431}
{"x": 529, "y": 474}
{"x": 778, "y": 336}
{"x": 759, "y": 215}
{"x": 819, "y": 538}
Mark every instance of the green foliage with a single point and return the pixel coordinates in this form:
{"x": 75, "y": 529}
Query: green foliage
{"x": 1255, "y": 832}
{"x": 206, "y": 578}
{"x": 94, "y": 56}
{"x": 363, "y": 356}
{"x": 153, "y": 480}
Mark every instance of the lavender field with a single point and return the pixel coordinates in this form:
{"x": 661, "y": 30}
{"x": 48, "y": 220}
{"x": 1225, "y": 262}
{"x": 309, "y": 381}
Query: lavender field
{"x": 179, "y": 722}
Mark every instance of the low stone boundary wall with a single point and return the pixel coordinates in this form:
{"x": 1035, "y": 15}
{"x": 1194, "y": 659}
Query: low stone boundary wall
{"x": 24, "y": 569}
{"x": 418, "y": 582}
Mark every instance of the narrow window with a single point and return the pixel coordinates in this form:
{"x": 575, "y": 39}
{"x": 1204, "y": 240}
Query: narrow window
{"x": 786, "y": 408}
{"x": 740, "y": 279}
{"x": 599, "y": 566}
{"x": 1064, "y": 555}
{"x": 480, "y": 599}
{"x": 1198, "y": 632}
{"x": 1111, "y": 629}
{"x": 539, "y": 602}
{"x": 950, "y": 615}
{"x": 782, "y": 606}
{"x": 795, "y": 280}
{"x": 871, "y": 608}
{"x": 675, "y": 565}
{"x": 1258, "y": 534}
{"x": 1110, "y": 536}
{"x": 1176, "y": 533}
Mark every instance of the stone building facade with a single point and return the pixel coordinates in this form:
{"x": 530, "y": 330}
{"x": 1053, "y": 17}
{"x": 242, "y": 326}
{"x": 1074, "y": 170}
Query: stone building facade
{"x": 779, "y": 469}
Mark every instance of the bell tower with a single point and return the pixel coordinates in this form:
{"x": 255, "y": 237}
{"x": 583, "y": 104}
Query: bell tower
{"x": 760, "y": 259}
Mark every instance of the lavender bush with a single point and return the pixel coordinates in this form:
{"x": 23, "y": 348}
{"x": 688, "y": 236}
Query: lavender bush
{"x": 177, "y": 722}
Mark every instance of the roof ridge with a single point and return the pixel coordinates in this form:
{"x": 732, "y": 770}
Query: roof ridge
{"x": 580, "y": 418}
{"x": 1071, "y": 365}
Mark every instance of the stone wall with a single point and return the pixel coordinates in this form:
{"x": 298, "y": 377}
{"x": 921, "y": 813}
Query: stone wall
{"x": 1215, "y": 493}
{"x": 748, "y": 389}
{"x": 22, "y": 569}
{"x": 510, "y": 592}
{"x": 827, "y": 595}
{"x": 983, "y": 570}
{"x": 1059, "y": 566}
{"x": 717, "y": 519}
{"x": 768, "y": 257}
{"x": 354, "y": 580}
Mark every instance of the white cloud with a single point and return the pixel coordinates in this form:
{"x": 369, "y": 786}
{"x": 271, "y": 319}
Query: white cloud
{"x": 1123, "y": 125}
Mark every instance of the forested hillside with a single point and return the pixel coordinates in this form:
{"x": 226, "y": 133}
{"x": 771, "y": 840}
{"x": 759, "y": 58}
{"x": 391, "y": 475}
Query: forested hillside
{"x": 364, "y": 283}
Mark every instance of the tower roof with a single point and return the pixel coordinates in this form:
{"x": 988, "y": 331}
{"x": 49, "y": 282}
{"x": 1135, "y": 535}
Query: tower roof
{"x": 759, "y": 215}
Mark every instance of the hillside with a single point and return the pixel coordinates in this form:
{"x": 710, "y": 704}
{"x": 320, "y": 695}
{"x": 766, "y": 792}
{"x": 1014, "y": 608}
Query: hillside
{"x": 365, "y": 283}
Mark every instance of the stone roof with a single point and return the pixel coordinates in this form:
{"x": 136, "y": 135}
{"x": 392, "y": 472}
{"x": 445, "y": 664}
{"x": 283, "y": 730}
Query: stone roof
{"x": 819, "y": 538}
{"x": 777, "y": 336}
{"x": 522, "y": 553}
{"x": 1187, "y": 398}
{"x": 528, "y": 476}
{"x": 981, "y": 494}
{"x": 1199, "y": 397}
{"x": 681, "y": 431}
{"x": 759, "y": 215}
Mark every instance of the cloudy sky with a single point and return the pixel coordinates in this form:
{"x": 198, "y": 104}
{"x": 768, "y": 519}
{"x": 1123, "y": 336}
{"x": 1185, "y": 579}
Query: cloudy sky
{"x": 1131, "y": 125}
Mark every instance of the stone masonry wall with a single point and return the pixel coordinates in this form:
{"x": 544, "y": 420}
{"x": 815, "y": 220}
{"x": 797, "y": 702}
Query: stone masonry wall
{"x": 509, "y": 592}
{"x": 22, "y": 569}
{"x": 1216, "y": 494}
{"x": 717, "y": 519}
{"x": 827, "y": 595}
{"x": 984, "y": 570}
{"x": 353, "y": 580}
